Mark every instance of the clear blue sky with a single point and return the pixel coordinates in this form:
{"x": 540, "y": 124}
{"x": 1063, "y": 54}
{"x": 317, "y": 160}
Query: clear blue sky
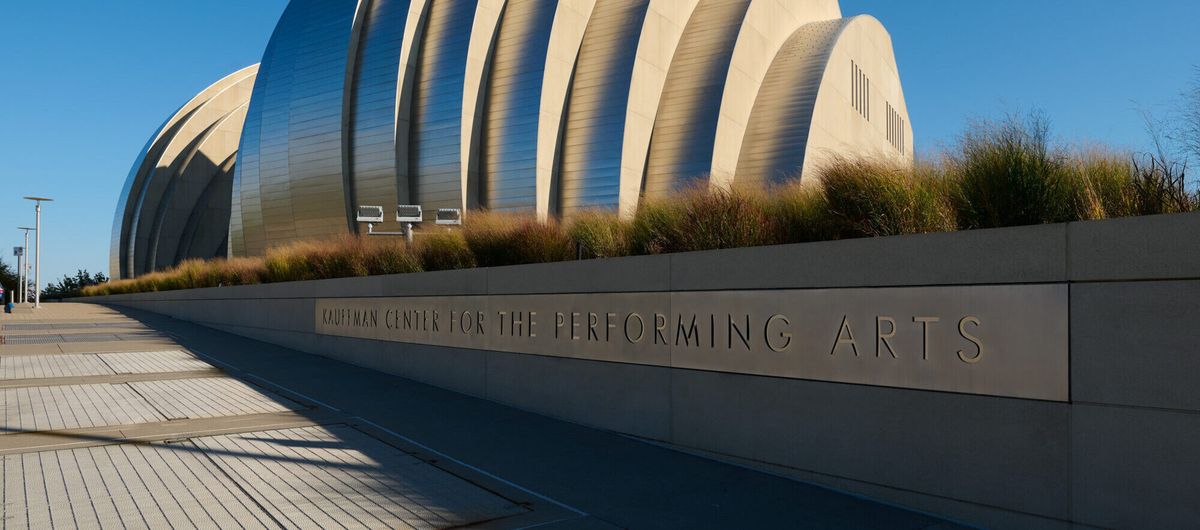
{"x": 84, "y": 83}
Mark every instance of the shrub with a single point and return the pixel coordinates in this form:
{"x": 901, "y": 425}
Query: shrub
{"x": 1007, "y": 174}
{"x": 389, "y": 256}
{"x": 799, "y": 213}
{"x": 236, "y": 271}
{"x": 340, "y": 257}
{"x": 444, "y": 250}
{"x": 1159, "y": 186}
{"x": 1108, "y": 178}
{"x": 498, "y": 239}
{"x": 867, "y": 198}
{"x": 600, "y": 234}
{"x": 702, "y": 218}
{"x": 655, "y": 225}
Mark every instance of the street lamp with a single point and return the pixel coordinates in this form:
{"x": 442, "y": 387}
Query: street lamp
{"x": 37, "y": 267}
{"x": 23, "y": 273}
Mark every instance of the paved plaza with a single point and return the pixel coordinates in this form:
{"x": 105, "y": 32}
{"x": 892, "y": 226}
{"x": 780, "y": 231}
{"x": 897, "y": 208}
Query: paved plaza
{"x": 115, "y": 420}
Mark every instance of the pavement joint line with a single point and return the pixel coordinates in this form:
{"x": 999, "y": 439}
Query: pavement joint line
{"x": 112, "y": 379}
{"x": 469, "y": 466}
{"x": 18, "y": 443}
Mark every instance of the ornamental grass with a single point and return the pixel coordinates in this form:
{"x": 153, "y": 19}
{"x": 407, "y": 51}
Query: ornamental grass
{"x": 1001, "y": 173}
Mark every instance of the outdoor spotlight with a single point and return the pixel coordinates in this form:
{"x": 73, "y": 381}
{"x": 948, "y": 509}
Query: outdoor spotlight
{"x": 370, "y": 214}
{"x": 409, "y": 213}
{"x": 449, "y": 216}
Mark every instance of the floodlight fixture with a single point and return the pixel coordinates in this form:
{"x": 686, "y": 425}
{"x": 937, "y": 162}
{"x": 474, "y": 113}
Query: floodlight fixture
{"x": 370, "y": 214}
{"x": 449, "y": 216}
{"x": 409, "y": 213}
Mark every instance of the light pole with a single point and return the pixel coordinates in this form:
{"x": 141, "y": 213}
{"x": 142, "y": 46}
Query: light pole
{"x": 37, "y": 266}
{"x": 24, "y": 272}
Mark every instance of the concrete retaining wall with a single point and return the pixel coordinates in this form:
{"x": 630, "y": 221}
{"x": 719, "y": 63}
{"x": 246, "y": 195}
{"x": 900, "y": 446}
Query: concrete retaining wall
{"x": 1120, "y": 453}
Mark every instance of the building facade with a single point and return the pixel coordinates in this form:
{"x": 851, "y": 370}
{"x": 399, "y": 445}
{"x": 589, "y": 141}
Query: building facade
{"x": 544, "y": 106}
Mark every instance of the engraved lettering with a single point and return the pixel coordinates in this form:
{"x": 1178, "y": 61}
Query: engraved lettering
{"x": 518, "y": 324}
{"x": 686, "y": 334}
{"x": 962, "y": 330}
{"x": 882, "y": 338}
{"x": 660, "y": 325}
{"x": 925, "y": 322}
{"x": 641, "y": 328}
{"x": 593, "y": 321}
{"x": 845, "y": 336}
{"x": 466, "y": 323}
{"x": 735, "y": 330}
{"x": 785, "y": 335}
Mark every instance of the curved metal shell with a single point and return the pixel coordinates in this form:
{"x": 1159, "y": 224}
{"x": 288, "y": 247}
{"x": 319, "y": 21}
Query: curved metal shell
{"x": 291, "y": 177}
{"x": 184, "y": 154}
{"x": 543, "y": 105}
{"x": 503, "y": 96}
{"x": 832, "y": 91}
{"x": 685, "y": 120}
{"x": 590, "y": 167}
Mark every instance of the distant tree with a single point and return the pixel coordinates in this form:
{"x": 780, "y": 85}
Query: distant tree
{"x": 8, "y": 279}
{"x": 70, "y": 286}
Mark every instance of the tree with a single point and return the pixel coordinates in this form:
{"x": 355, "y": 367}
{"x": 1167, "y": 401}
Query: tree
{"x": 70, "y": 286}
{"x": 8, "y": 279}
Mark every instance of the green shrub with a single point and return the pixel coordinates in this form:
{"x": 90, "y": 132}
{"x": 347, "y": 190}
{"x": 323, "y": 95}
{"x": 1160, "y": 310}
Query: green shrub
{"x": 1007, "y": 174}
{"x": 868, "y": 199}
{"x": 444, "y": 250}
{"x": 600, "y": 234}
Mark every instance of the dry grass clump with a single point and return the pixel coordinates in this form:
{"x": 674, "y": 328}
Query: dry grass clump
{"x": 866, "y": 198}
{"x": 1002, "y": 173}
{"x": 799, "y": 213}
{"x": 702, "y": 218}
{"x": 498, "y": 239}
{"x": 444, "y": 250}
{"x": 342, "y": 257}
{"x": 600, "y": 234}
{"x": 1007, "y": 173}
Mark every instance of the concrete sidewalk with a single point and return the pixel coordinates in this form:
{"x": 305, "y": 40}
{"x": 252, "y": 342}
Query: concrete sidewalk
{"x": 299, "y": 440}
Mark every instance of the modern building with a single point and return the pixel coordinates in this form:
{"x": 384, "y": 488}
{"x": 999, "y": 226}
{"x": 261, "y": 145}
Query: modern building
{"x": 537, "y": 105}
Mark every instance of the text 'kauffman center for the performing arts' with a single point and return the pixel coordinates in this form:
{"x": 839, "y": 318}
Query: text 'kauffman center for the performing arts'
{"x": 536, "y": 105}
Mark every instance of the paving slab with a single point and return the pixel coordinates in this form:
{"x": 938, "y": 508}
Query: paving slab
{"x": 46, "y": 366}
{"x": 146, "y": 362}
{"x": 322, "y": 477}
{"x": 50, "y": 408}
{"x": 210, "y": 397}
{"x": 124, "y": 486}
